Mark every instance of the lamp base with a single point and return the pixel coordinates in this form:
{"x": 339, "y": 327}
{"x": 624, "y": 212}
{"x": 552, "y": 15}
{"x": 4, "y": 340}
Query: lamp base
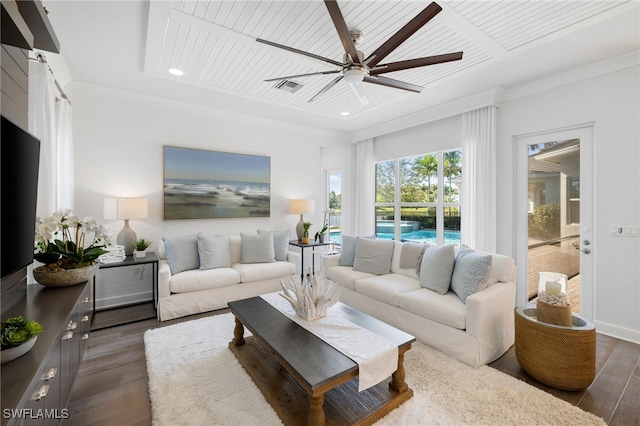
{"x": 127, "y": 238}
{"x": 300, "y": 228}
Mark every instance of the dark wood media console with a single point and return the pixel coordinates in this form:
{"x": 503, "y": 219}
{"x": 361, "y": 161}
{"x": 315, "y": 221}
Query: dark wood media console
{"x": 36, "y": 386}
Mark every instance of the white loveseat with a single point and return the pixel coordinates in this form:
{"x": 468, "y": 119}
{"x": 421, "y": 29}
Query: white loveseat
{"x": 476, "y": 332}
{"x": 205, "y": 287}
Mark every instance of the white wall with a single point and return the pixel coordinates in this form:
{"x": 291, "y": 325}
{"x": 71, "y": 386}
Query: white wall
{"x": 611, "y": 102}
{"x": 119, "y": 138}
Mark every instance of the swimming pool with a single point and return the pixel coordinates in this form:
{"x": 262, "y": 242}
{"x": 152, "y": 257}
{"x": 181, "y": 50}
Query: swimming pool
{"x": 421, "y": 236}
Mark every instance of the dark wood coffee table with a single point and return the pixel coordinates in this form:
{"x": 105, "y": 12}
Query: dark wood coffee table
{"x": 306, "y": 380}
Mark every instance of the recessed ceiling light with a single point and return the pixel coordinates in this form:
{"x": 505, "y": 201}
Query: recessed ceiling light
{"x": 345, "y": 113}
{"x": 175, "y": 71}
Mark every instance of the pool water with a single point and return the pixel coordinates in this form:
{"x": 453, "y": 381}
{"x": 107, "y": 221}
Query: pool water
{"x": 421, "y": 236}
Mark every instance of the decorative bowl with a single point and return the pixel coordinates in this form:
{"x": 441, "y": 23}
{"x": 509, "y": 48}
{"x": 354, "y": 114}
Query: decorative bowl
{"x": 66, "y": 277}
{"x": 17, "y": 351}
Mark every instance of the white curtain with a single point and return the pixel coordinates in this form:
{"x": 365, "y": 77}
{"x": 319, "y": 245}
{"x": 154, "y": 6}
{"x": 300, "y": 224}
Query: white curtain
{"x": 365, "y": 189}
{"x": 478, "y": 198}
{"x": 50, "y": 121}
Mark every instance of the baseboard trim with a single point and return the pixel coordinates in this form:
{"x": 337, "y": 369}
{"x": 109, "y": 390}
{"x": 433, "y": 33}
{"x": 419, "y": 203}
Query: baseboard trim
{"x": 618, "y": 332}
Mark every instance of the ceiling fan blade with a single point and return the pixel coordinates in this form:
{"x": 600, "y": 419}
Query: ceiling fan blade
{"x": 390, "y": 82}
{"x": 301, "y": 52}
{"x": 342, "y": 29}
{"x": 326, "y": 88}
{"x": 403, "y": 34}
{"x": 358, "y": 89}
{"x": 415, "y": 63}
{"x": 304, "y": 75}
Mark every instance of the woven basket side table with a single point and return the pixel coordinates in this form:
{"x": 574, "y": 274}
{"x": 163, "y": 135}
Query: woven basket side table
{"x": 561, "y": 357}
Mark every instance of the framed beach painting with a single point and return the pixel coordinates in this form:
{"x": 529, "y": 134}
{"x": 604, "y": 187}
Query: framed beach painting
{"x": 202, "y": 184}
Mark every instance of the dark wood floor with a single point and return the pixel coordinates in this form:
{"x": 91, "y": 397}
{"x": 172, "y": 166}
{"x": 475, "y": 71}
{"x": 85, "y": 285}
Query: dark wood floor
{"x": 111, "y": 386}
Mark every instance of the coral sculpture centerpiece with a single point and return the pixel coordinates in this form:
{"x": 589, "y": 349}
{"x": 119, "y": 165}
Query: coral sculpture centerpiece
{"x": 312, "y": 298}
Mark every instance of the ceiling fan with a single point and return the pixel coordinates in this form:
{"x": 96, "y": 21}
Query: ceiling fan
{"x": 356, "y": 68}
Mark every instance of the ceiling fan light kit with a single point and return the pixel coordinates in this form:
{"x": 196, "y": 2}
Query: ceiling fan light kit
{"x": 356, "y": 69}
{"x": 354, "y": 74}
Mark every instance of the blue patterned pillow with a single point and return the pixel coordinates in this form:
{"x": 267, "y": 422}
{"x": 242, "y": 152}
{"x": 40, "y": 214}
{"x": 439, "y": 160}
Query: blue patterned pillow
{"x": 182, "y": 253}
{"x": 471, "y": 272}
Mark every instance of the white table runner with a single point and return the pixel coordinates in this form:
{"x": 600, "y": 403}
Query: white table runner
{"x": 377, "y": 358}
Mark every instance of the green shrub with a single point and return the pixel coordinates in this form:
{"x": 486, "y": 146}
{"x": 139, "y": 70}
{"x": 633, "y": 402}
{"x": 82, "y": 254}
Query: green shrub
{"x": 546, "y": 221}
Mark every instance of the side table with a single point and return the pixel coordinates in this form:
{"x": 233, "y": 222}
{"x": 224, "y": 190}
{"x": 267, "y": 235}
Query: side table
{"x": 312, "y": 246}
{"x": 558, "y": 356}
{"x": 125, "y": 291}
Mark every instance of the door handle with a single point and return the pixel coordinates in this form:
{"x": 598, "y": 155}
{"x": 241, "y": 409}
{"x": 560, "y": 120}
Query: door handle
{"x": 585, "y": 250}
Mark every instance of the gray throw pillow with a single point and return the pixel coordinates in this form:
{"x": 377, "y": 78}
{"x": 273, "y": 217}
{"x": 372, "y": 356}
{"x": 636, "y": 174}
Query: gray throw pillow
{"x": 214, "y": 251}
{"x": 182, "y": 253}
{"x": 257, "y": 248}
{"x": 411, "y": 254}
{"x": 471, "y": 272}
{"x": 437, "y": 267}
{"x": 373, "y": 256}
{"x": 280, "y": 244}
{"x": 348, "y": 249}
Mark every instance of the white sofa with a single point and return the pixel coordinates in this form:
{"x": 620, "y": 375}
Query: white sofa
{"x": 196, "y": 290}
{"x": 476, "y": 332}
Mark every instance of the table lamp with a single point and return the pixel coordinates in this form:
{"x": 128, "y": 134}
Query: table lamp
{"x": 126, "y": 209}
{"x": 300, "y": 207}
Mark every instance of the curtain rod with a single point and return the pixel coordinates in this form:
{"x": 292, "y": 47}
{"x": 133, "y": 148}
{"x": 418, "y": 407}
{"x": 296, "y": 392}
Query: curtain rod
{"x": 43, "y": 60}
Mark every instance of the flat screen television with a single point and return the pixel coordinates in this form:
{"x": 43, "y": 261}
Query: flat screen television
{"x": 19, "y": 162}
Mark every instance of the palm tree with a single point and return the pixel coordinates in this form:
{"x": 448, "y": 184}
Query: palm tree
{"x": 452, "y": 167}
{"x": 426, "y": 167}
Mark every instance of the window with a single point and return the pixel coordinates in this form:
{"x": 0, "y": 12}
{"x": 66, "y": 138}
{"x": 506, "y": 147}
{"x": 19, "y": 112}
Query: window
{"x": 334, "y": 201}
{"x": 418, "y": 198}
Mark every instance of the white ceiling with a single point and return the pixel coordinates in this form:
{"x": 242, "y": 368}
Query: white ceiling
{"x": 130, "y": 45}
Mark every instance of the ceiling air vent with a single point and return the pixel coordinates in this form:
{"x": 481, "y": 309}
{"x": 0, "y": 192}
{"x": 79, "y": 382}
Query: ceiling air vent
{"x": 288, "y": 86}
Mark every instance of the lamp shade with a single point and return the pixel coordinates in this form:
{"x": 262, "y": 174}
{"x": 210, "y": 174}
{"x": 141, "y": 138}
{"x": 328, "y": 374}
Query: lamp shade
{"x": 126, "y": 208}
{"x": 301, "y": 206}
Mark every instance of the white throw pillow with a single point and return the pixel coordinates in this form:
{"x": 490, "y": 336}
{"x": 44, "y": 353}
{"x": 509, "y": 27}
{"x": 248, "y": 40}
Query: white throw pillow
{"x": 411, "y": 255}
{"x": 471, "y": 272}
{"x": 280, "y": 244}
{"x": 257, "y": 248}
{"x": 182, "y": 253}
{"x": 214, "y": 251}
{"x": 373, "y": 256}
{"x": 437, "y": 267}
{"x": 348, "y": 249}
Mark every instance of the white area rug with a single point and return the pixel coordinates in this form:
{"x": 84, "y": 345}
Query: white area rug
{"x": 194, "y": 379}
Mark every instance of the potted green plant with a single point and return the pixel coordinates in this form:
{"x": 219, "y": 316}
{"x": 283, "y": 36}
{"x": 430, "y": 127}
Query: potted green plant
{"x": 140, "y": 247}
{"x": 305, "y": 233}
{"x": 69, "y": 248}
{"x": 320, "y": 234}
{"x": 18, "y": 336}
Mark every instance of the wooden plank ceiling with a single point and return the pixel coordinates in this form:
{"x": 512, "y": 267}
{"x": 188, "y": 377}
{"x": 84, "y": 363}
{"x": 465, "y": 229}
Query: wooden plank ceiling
{"x": 214, "y": 42}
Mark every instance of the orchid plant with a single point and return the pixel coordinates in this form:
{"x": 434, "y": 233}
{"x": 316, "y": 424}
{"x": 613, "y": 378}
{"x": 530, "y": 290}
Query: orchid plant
{"x": 325, "y": 222}
{"x": 62, "y": 239}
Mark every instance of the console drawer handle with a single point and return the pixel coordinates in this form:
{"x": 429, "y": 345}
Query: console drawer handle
{"x": 72, "y": 325}
{"x": 50, "y": 374}
{"x": 68, "y": 335}
{"x": 41, "y": 393}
